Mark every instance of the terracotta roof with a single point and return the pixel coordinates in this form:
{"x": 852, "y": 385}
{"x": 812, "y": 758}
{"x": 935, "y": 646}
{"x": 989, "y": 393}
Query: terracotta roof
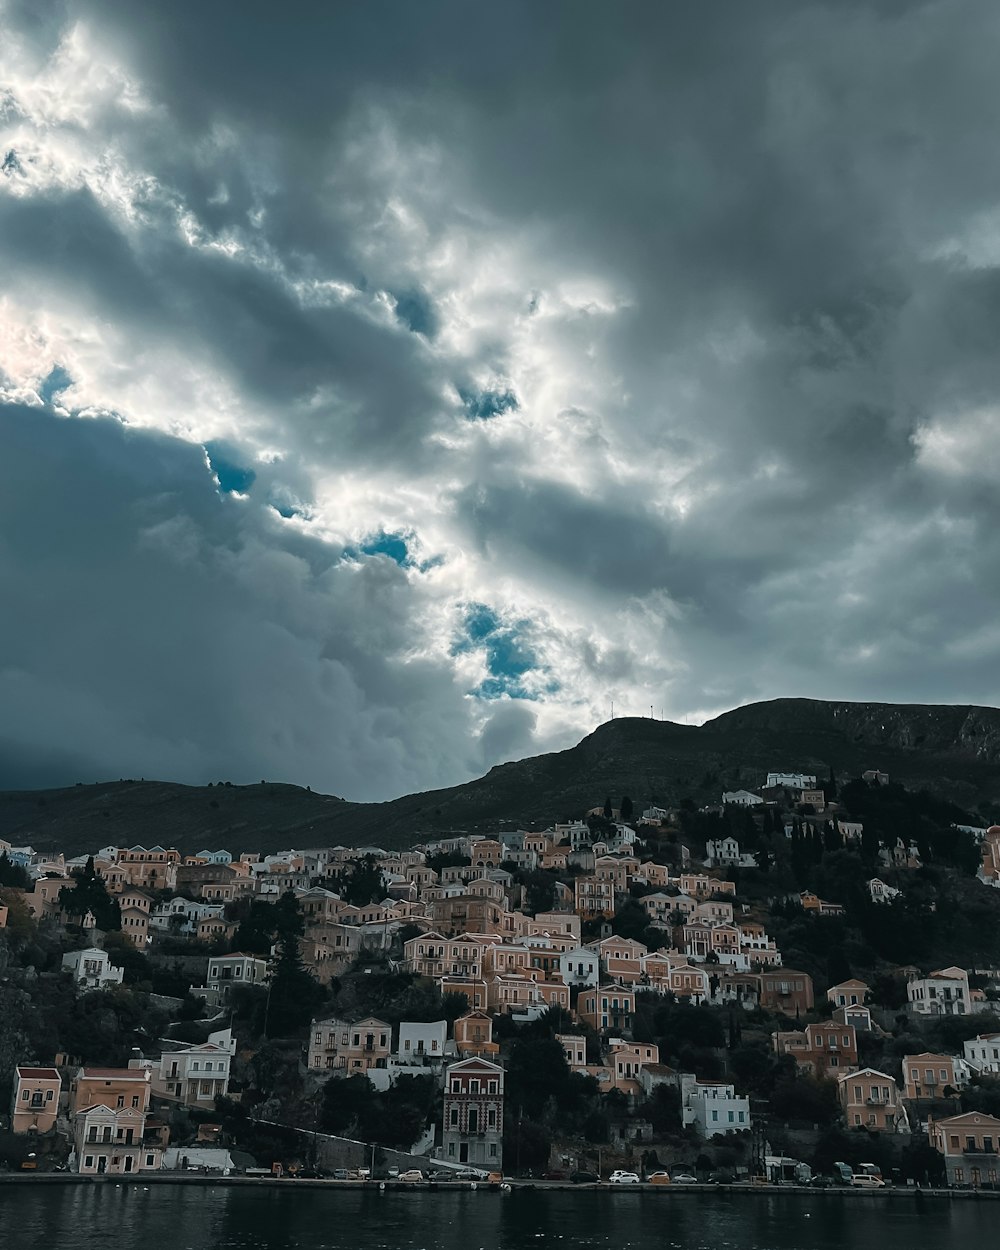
{"x": 39, "y": 1074}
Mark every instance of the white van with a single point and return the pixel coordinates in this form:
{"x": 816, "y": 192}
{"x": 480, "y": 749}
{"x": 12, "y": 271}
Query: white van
{"x": 862, "y": 1181}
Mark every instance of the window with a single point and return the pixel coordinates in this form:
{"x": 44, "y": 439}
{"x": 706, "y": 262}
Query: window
{"x": 121, "y": 1100}
{"x": 454, "y": 1117}
{"x": 88, "y": 1161}
{"x": 25, "y": 1095}
{"x": 135, "y": 1100}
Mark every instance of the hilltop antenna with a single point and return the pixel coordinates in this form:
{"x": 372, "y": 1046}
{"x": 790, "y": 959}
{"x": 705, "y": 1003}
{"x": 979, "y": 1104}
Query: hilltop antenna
{"x": 612, "y": 709}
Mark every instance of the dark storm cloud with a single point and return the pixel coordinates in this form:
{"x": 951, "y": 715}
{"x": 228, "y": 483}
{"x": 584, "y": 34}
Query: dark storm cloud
{"x": 665, "y": 334}
{"x": 121, "y": 563}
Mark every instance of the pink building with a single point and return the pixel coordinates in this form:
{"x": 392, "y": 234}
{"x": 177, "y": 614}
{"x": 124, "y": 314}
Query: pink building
{"x": 35, "y": 1102}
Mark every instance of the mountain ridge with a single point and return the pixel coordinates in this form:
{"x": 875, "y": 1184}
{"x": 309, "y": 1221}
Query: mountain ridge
{"x": 952, "y": 750}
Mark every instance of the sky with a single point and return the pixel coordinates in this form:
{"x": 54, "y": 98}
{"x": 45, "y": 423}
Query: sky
{"x": 388, "y": 388}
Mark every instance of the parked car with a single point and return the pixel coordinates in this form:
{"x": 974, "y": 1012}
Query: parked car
{"x": 469, "y": 1174}
{"x": 392, "y": 1173}
{"x": 861, "y": 1181}
{"x": 584, "y": 1178}
{"x": 685, "y": 1178}
{"x": 824, "y": 1182}
{"x": 411, "y": 1174}
{"x": 341, "y": 1174}
{"x": 660, "y": 1178}
{"x": 624, "y": 1178}
{"x": 441, "y": 1174}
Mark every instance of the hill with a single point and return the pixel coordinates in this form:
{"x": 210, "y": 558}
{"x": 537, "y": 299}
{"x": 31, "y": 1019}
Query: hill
{"x": 952, "y": 751}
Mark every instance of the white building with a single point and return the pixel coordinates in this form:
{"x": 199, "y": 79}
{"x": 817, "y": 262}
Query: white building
{"x": 942, "y": 993}
{"x": 420, "y": 1044}
{"x": 741, "y": 798}
{"x": 792, "y": 781}
{"x": 189, "y": 911}
{"x": 982, "y": 1053}
{"x": 580, "y": 966}
{"x": 225, "y": 971}
{"x": 193, "y": 1075}
{"x": 880, "y": 892}
{"x": 721, "y": 852}
{"x": 92, "y": 968}
{"x": 110, "y": 1140}
{"x": 713, "y": 1107}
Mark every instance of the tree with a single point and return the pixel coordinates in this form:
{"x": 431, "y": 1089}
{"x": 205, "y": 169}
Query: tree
{"x": 13, "y": 875}
{"x": 626, "y": 808}
{"x": 609, "y": 811}
{"x": 294, "y": 994}
{"x": 91, "y": 895}
{"x": 663, "y": 1109}
{"x": 255, "y": 934}
{"x": 123, "y": 954}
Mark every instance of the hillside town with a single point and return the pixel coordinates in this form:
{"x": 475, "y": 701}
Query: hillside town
{"x": 793, "y": 984}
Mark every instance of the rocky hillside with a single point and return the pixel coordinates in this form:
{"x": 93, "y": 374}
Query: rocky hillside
{"x": 953, "y": 751}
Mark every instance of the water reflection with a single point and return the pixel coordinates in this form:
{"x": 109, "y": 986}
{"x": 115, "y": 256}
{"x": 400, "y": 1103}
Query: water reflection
{"x": 214, "y": 1218}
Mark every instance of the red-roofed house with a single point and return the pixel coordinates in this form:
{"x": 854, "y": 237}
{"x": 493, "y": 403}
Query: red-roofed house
{"x": 35, "y": 1103}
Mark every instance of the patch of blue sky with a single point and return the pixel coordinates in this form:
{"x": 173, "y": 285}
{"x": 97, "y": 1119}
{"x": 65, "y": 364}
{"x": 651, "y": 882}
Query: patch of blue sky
{"x": 233, "y": 478}
{"x": 286, "y": 510}
{"x": 57, "y": 381}
{"x": 508, "y": 655}
{"x": 415, "y": 310}
{"x": 485, "y": 405}
{"x": 394, "y": 545}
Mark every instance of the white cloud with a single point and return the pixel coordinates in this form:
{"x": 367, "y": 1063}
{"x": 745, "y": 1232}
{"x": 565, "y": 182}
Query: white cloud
{"x": 716, "y": 358}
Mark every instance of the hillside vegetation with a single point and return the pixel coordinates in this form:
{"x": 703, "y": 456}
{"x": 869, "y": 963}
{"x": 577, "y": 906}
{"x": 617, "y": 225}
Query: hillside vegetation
{"x": 953, "y": 752}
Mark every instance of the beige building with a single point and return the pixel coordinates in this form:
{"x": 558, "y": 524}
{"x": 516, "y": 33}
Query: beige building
{"x": 870, "y": 1099}
{"x": 970, "y": 1144}
{"x": 786, "y": 990}
{"x": 826, "y": 1049}
{"x": 135, "y": 906}
{"x": 593, "y": 898}
{"x": 851, "y": 993}
{"x": 609, "y": 1007}
{"x": 340, "y": 1046}
{"x": 35, "y": 1101}
{"x": 474, "y": 1035}
{"x": 929, "y": 1075}
{"x": 116, "y": 1087}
